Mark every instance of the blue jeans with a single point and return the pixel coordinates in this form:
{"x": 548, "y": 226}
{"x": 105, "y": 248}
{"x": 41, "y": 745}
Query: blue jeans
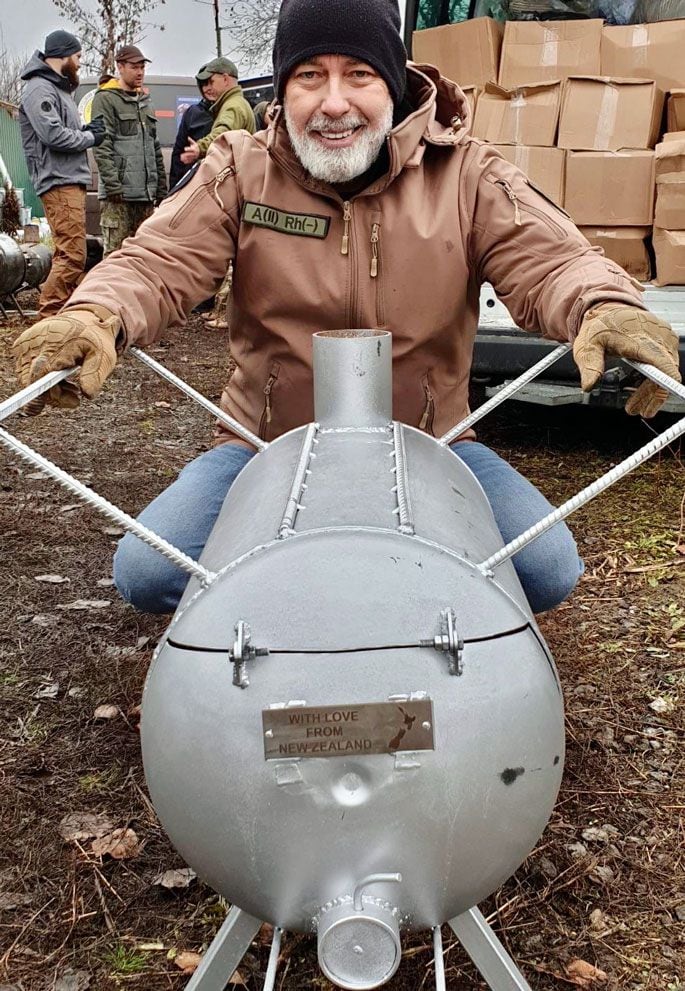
{"x": 185, "y": 513}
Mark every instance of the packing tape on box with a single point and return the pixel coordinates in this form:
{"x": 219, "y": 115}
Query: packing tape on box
{"x": 639, "y": 38}
{"x": 550, "y": 48}
{"x": 522, "y": 158}
{"x": 517, "y": 104}
{"x": 606, "y": 118}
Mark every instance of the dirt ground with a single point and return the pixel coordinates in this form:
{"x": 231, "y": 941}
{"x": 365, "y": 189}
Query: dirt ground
{"x": 606, "y": 883}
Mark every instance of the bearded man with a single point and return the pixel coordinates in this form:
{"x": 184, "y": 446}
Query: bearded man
{"x": 364, "y": 205}
{"x": 55, "y": 147}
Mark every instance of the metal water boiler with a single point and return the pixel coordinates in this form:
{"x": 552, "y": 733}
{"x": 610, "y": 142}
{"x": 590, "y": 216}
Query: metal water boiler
{"x": 352, "y": 730}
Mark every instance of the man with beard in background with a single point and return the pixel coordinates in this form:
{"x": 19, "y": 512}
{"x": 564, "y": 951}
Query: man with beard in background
{"x": 55, "y": 147}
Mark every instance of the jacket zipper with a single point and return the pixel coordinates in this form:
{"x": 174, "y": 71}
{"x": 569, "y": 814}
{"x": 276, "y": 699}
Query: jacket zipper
{"x": 426, "y": 421}
{"x": 545, "y": 218}
{"x": 189, "y": 204}
{"x": 266, "y": 415}
{"x": 347, "y": 219}
{"x": 375, "y": 238}
{"x": 514, "y": 199}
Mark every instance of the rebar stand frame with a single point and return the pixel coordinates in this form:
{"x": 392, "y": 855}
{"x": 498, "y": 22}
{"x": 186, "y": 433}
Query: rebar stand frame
{"x": 233, "y": 940}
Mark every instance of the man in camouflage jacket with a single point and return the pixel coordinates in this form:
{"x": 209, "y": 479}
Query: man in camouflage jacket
{"x": 132, "y": 177}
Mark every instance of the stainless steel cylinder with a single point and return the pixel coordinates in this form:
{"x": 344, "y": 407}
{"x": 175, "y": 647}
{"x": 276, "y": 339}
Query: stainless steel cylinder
{"x": 352, "y": 378}
{"x": 38, "y": 259}
{"x": 12, "y": 265}
{"x": 359, "y": 949}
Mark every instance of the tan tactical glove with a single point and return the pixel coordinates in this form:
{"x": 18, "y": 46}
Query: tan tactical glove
{"x": 84, "y": 337}
{"x": 627, "y": 332}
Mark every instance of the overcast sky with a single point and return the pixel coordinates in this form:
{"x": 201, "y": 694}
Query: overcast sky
{"x": 186, "y": 43}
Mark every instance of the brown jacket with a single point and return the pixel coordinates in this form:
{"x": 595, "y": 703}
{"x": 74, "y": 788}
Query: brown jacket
{"x": 407, "y": 254}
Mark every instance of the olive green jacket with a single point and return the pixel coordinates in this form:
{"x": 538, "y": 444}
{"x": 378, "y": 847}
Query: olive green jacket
{"x": 231, "y": 112}
{"x": 129, "y": 160}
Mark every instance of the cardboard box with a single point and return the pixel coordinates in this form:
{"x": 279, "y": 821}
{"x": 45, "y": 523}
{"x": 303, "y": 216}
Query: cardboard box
{"x": 601, "y": 114}
{"x": 670, "y": 202}
{"x": 610, "y": 188}
{"x": 627, "y": 246}
{"x": 525, "y": 116}
{"x": 534, "y": 51}
{"x": 467, "y": 53}
{"x": 543, "y": 166}
{"x": 669, "y": 248}
{"x": 647, "y": 51}
{"x": 675, "y": 110}
{"x": 670, "y": 158}
{"x": 471, "y": 93}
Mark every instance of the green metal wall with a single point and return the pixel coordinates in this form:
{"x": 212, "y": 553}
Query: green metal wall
{"x": 13, "y": 157}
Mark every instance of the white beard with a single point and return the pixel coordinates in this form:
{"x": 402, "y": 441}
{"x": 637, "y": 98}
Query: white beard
{"x": 336, "y": 165}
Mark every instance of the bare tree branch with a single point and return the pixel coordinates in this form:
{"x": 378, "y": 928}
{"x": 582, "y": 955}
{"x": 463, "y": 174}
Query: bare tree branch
{"x": 251, "y": 26}
{"x": 105, "y": 25}
{"x": 10, "y": 70}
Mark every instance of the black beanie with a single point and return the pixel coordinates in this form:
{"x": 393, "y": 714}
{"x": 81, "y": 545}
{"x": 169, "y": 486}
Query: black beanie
{"x": 365, "y": 29}
{"x": 61, "y": 44}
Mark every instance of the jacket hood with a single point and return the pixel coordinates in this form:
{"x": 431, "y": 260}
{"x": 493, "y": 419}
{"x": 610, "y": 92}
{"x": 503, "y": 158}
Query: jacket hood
{"x": 441, "y": 116}
{"x": 37, "y": 66}
{"x": 110, "y": 84}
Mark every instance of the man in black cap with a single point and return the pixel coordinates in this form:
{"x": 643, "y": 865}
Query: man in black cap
{"x": 218, "y": 81}
{"x": 130, "y": 165}
{"x": 365, "y": 204}
{"x": 55, "y": 147}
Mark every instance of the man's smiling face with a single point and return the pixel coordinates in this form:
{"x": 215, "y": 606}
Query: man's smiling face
{"x": 338, "y": 112}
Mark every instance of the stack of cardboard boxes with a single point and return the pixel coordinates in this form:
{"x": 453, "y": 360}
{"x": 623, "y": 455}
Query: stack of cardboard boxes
{"x": 578, "y": 106}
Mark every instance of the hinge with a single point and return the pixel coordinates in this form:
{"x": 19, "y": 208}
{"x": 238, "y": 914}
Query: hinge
{"x": 242, "y": 652}
{"x": 448, "y": 642}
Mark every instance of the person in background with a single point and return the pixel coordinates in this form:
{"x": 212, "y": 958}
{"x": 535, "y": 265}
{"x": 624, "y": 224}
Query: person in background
{"x": 132, "y": 176}
{"x": 230, "y": 110}
{"x": 55, "y": 147}
{"x": 196, "y": 123}
{"x": 261, "y": 115}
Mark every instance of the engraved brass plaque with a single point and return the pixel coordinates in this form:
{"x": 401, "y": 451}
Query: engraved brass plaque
{"x": 348, "y": 730}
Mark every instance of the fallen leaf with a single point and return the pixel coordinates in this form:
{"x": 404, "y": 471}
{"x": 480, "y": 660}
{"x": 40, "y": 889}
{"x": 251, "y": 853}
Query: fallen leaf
{"x": 51, "y": 579}
{"x": 106, "y": 712}
{"x": 73, "y": 980}
{"x": 180, "y": 878}
{"x": 10, "y": 900}
{"x": 660, "y": 705}
{"x": 48, "y": 691}
{"x": 583, "y": 974}
{"x": 162, "y": 405}
{"x": 105, "y": 583}
{"x": 187, "y": 962}
{"x": 237, "y": 978}
{"x": 70, "y": 507}
{"x": 79, "y": 826}
{"x": 82, "y": 604}
{"x": 76, "y": 692}
{"x": 120, "y": 844}
{"x": 603, "y": 874}
{"x": 680, "y": 548}
{"x": 45, "y": 619}
{"x": 113, "y": 531}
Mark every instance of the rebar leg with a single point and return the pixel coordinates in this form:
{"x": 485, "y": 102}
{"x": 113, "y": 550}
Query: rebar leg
{"x": 439, "y": 960}
{"x": 225, "y": 952}
{"x": 486, "y": 951}
{"x": 270, "y": 978}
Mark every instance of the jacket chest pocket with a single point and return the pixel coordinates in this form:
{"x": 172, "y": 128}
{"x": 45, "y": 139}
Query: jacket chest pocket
{"x": 128, "y": 125}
